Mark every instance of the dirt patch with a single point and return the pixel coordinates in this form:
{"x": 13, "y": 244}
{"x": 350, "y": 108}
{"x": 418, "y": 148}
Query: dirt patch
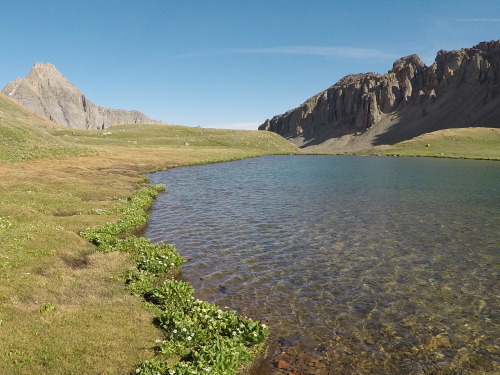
{"x": 76, "y": 263}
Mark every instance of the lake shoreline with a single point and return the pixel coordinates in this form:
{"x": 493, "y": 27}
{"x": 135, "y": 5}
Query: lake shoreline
{"x": 47, "y": 200}
{"x": 236, "y": 284}
{"x": 52, "y": 280}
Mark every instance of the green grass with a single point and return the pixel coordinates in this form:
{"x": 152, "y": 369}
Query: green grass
{"x": 199, "y": 337}
{"x": 68, "y": 308}
{"x": 467, "y": 143}
{"x": 142, "y": 136}
{"x": 65, "y": 306}
{"x": 24, "y": 135}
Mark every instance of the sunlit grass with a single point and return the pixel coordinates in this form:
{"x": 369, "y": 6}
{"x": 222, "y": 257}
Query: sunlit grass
{"x": 469, "y": 143}
{"x": 64, "y": 307}
{"x": 25, "y": 136}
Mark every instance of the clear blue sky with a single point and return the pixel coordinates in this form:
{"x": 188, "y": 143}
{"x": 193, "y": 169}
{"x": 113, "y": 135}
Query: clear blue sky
{"x": 228, "y": 63}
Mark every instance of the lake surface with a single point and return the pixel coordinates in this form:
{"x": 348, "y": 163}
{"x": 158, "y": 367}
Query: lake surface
{"x": 360, "y": 265}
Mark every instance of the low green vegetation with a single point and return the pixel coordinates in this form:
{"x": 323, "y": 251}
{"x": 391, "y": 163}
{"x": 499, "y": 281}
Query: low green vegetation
{"x": 200, "y": 337}
{"x": 80, "y": 293}
{"x": 87, "y": 304}
{"x": 467, "y": 143}
{"x": 183, "y": 137}
{"x": 25, "y": 136}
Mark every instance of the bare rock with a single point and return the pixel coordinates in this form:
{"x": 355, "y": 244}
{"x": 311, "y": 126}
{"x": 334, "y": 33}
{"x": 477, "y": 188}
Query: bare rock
{"x": 47, "y": 92}
{"x": 460, "y": 89}
{"x": 281, "y": 364}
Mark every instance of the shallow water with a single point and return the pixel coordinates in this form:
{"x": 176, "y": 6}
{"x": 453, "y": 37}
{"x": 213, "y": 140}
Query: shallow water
{"x": 359, "y": 265}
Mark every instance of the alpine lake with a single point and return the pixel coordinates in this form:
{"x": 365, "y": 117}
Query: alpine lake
{"x": 359, "y": 265}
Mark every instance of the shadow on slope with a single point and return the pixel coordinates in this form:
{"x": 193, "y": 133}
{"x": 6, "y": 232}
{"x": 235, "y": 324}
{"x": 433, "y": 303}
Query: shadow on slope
{"x": 471, "y": 109}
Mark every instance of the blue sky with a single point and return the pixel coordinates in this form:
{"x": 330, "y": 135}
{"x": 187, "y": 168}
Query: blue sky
{"x": 228, "y": 63}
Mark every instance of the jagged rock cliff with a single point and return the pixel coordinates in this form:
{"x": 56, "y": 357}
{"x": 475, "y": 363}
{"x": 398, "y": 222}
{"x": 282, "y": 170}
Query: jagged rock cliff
{"x": 48, "y": 93}
{"x": 460, "y": 89}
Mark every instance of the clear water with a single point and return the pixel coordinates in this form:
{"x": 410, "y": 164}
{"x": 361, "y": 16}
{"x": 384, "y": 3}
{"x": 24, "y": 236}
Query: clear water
{"x": 360, "y": 265}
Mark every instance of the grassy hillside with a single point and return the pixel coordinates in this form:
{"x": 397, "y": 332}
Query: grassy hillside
{"x": 160, "y": 136}
{"x": 470, "y": 143}
{"x": 25, "y": 135}
{"x": 64, "y": 308}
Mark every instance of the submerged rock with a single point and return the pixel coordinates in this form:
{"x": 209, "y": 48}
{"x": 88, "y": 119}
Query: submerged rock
{"x": 281, "y": 364}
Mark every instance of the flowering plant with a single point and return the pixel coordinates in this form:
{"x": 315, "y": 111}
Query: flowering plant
{"x": 200, "y": 338}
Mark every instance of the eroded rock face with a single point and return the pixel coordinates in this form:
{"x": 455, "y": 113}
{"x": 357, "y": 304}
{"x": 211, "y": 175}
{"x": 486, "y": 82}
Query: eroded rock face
{"x": 461, "y": 88}
{"x": 47, "y": 92}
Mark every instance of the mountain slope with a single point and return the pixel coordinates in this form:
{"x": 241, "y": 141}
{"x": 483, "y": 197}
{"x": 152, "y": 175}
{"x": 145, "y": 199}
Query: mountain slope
{"x": 26, "y": 135}
{"x": 47, "y": 92}
{"x": 460, "y": 89}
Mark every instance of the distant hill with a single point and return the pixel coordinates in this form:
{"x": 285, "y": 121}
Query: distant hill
{"x": 47, "y": 92}
{"x": 361, "y": 111}
{"x": 25, "y": 135}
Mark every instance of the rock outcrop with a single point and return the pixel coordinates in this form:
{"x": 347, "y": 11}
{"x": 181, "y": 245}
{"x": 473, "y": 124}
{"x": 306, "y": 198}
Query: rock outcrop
{"x": 48, "y": 93}
{"x": 460, "y": 89}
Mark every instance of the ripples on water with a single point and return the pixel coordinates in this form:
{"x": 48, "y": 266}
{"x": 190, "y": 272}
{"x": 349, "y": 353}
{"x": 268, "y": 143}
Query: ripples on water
{"x": 360, "y": 265}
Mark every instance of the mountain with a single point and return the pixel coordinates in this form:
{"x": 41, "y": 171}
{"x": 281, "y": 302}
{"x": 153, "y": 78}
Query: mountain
{"x": 48, "y": 93}
{"x": 460, "y": 89}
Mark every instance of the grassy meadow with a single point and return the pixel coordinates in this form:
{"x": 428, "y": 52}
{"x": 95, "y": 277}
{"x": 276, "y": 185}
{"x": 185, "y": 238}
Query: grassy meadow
{"x": 64, "y": 307}
{"x": 465, "y": 143}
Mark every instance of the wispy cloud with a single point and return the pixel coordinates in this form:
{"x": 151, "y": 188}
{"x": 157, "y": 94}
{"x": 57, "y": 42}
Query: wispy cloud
{"x": 347, "y": 52}
{"x": 478, "y": 20}
{"x": 344, "y": 52}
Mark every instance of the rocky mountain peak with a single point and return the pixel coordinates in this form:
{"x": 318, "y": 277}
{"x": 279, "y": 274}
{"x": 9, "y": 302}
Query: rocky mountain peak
{"x": 492, "y": 49}
{"x": 40, "y": 68}
{"x": 46, "y": 72}
{"x": 47, "y": 92}
{"x": 413, "y": 61}
{"x": 460, "y": 89}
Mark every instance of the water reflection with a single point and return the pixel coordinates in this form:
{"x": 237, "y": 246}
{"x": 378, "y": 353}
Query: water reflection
{"x": 359, "y": 265}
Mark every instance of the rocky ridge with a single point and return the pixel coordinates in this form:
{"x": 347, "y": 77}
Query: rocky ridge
{"x": 460, "y": 89}
{"x": 48, "y": 93}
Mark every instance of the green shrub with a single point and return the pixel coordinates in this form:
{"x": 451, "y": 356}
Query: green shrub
{"x": 152, "y": 368}
{"x": 201, "y": 335}
{"x": 157, "y": 259}
{"x": 174, "y": 295}
{"x": 201, "y": 338}
{"x": 134, "y": 215}
{"x": 139, "y": 282}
